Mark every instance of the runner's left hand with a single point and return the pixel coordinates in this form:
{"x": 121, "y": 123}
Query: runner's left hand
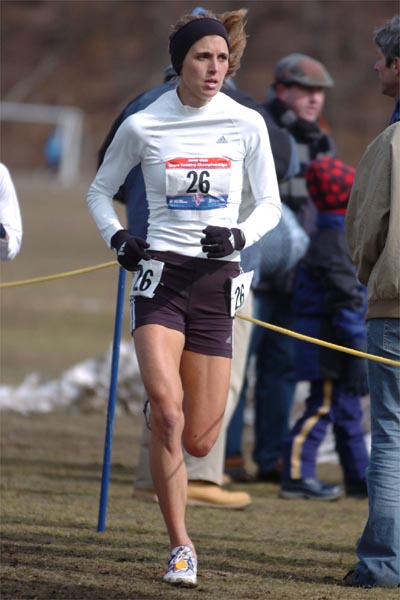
{"x": 222, "y": 241}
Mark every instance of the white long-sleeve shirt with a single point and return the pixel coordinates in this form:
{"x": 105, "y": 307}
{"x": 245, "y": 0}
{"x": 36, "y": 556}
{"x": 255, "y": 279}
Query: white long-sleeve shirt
{"x": 194, "y": 162}
{"x": 10, "y": 216}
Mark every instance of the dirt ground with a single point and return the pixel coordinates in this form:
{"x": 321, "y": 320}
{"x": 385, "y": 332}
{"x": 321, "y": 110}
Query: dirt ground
{"x": 50, "y": 492}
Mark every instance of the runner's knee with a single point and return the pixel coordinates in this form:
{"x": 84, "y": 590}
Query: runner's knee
{"x": 197, "y": 446}
{"x": 167, "y": 424}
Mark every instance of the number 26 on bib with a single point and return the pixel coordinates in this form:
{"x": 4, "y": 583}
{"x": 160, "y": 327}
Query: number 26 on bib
{"x": 240, "y": 287}
{"x": 147, "y": 278}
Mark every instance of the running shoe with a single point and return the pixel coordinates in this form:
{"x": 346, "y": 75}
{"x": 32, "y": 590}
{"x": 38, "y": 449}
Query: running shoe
{"x": 182, "y": 567}
{"x": 309, "y": 489}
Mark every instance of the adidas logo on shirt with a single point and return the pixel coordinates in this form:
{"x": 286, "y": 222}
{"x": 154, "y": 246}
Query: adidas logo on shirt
{"x": 222, "y": 140}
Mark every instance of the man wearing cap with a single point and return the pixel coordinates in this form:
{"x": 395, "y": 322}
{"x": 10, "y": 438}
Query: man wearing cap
{"x": 295, "y": 102}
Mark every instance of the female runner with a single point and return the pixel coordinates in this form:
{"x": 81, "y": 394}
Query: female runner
{"x": 198, "y": 150}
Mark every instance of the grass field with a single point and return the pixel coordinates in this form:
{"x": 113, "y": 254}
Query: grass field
{"x": 48, "y": 327}
{"x": 51, "y": 464}
{"x": 51, "y": 473}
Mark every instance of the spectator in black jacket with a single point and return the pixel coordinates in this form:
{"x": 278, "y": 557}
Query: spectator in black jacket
{"x": 294, "y": 102}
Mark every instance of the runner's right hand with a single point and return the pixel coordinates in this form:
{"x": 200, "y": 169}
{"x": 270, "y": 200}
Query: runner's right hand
{"x": 130, "y": 249}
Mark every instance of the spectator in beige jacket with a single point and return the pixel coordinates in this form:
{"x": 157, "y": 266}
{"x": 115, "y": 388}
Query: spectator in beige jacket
{"x": 373, "y": 219}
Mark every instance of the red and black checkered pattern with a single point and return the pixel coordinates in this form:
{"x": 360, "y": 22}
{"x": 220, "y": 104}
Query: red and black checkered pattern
{"x": 329, "y": 183}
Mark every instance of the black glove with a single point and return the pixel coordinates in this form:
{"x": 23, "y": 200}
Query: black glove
{"x": 130, "y": 249}
{"x": 3, "y": 232}
{"x": 356, "y": 380}
{"x": 221, "y": 241}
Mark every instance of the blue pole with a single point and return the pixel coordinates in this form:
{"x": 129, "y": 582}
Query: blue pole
{"x": 119, "y": 313}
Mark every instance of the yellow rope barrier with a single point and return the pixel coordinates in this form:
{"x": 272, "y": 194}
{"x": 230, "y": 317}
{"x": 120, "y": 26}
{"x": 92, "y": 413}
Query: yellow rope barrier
{"x": 306, "y": 338}
{"x": 10, "y": 284}
{"x": 299, "y": 336}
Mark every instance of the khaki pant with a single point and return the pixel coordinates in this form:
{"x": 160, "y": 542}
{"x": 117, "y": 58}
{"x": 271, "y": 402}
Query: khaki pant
{"x": 210, "y": 467}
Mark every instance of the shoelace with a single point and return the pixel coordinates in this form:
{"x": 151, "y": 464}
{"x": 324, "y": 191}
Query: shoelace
{"x": 184, "y": 553}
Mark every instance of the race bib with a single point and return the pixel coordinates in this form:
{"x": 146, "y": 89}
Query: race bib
{"x": 147, "y": 278}
{"x": 240, "y": 287}
{"x": 197, "y": 184}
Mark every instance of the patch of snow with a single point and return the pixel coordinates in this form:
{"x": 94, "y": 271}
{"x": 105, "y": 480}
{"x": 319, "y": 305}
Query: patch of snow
{"x": 82, "y": 388}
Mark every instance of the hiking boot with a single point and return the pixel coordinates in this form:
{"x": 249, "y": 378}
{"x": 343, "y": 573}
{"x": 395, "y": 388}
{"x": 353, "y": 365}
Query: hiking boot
{"x": 203, "y": 493}
{"x": 236, "y": 471}
{"x": 182, "y": 567}
{"x": 309, "y": 489}
{"x": 356, "y": 489}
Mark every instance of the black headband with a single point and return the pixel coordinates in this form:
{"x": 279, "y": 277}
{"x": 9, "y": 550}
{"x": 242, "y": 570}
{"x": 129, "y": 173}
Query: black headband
{"x": 189, "y": 34}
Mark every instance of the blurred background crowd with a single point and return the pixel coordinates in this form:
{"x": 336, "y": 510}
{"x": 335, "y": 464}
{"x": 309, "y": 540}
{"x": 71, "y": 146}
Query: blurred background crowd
{"x": 92, "y": 57}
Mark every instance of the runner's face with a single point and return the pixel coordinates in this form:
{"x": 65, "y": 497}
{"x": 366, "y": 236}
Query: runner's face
{"x": 203, "y": 71}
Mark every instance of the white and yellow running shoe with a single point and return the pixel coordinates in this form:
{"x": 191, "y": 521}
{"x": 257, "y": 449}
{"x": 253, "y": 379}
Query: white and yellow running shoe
{"x": 182, "y": 567}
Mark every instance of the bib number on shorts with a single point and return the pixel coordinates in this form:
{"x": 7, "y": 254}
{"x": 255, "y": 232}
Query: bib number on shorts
{"x": 147, "y": 278}
{"x": 240, "y": 287}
